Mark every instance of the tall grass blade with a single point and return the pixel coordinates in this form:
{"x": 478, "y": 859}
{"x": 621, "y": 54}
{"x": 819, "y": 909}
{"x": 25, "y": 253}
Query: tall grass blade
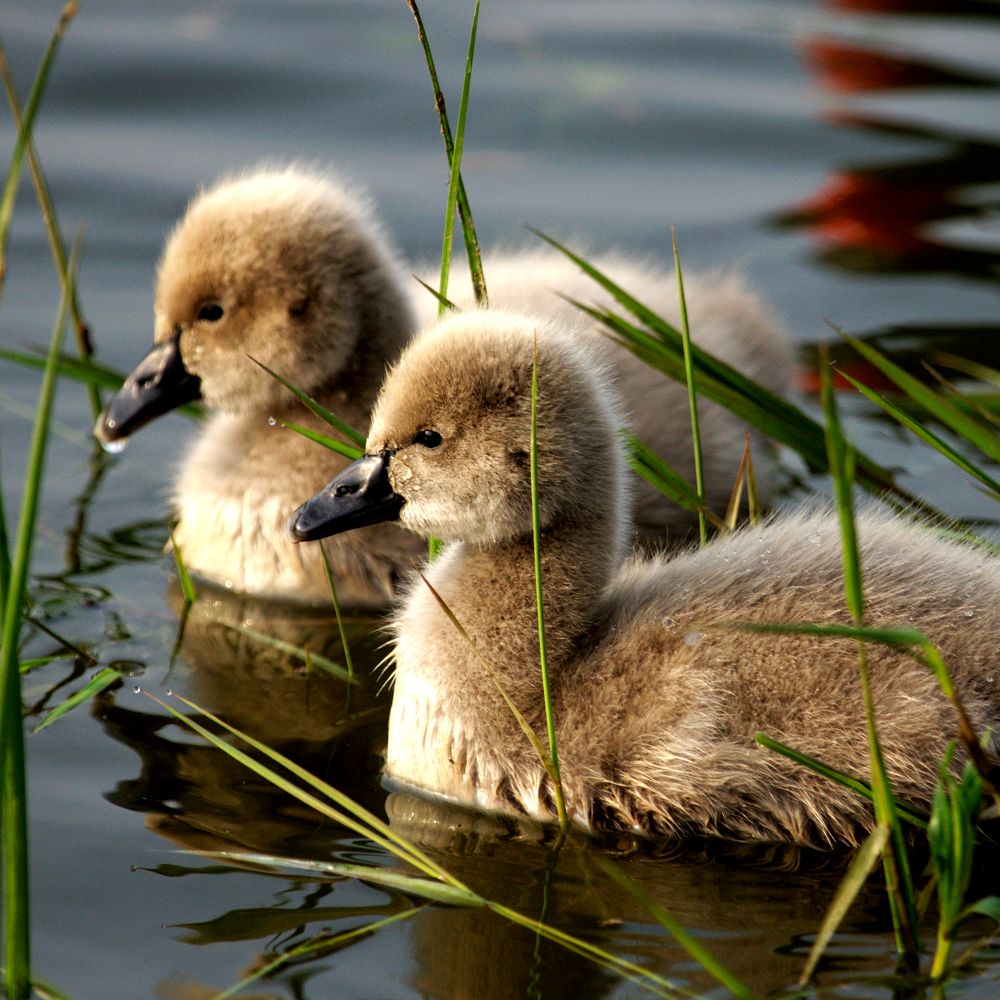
{"x": 56, "y": 242}
{"x": 102, "y": 680}
{"x": 952, "y": 838}
{"x": 4, "y": 552}
{"x": 325, "y": 943}
{"x": 14, "y": 809}
{"x": 850, "y": 885}
{"x": 927, "y": 436}
{"x": 755, "y": 508}
{"x": 188, "y": 591}
{"x": 758, "y": 406}
{"x": 977, "y": 404}
{"x": 924, "y": 651}
{"x": 910, "y": 814}
{"x": 355, "y": 437}
{"x": 443, "y": 302}
{"x": 464, "y": 211}
{"x": 347, "y": 450}
{"x": 383, "y": 835}
{"x": 432, "y": 890}
{"x": 456, "y": 167}
{"x": 345, "y": 645}
{"x": 699, "y": 473}
{"x": 965, "y": 426}
{"x": 355, "y": 818}
{"x": 13, "y": 177}
{"x": 536, "y": 744}
{"x": 646, "y": 463}
{"x": 967, "y": 367}
{"x": 536, "y": 538}
{"x": 644, "y": 978}
{"x": 88, "y": 372}
{"x": 687, "y": 941}
{"x": 895, "y": 861}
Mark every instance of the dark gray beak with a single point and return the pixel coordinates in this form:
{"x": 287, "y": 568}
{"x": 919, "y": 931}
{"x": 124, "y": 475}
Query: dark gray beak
{"x": 360, "y": 495}
{"x": 159, "y": 383}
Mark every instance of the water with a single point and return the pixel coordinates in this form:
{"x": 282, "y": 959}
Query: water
{"x": 846, "y": 158}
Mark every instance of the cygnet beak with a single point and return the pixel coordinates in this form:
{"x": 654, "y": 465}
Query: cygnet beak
{"x": 158, "y": 384}
{"x": 360, "y": 495}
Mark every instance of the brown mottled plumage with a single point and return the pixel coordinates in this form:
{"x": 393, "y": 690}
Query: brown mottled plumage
{"x": 656, "y": 701}
{"x": 305, "y": 283}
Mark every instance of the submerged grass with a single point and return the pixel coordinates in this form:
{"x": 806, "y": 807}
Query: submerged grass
{"x": 433, "y": 883}
{"x": 896, "y": 863}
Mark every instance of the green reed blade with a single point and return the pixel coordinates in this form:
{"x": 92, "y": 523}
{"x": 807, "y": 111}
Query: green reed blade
{"x": 671, "y": 483}
{"x": 87, "y": 372}
{"x": 536, "y": 538}
{"x": 910, "y": 814}
{"x": 413, "y": 885}
{"x": 536, "y": 744}
{"x": 4, "y": 551}
{"x": 644, "y": 978}
{"x": 324, "y": 944}
{"x": 927, "y": 436}
{"x": 850, "y": 885}
{"x": 298, "y": 652}
{"x": 102, "y": 680}
{"x": 464, "y": 211}
{"x": 365, "y": 822}
{"x": 348, "y": 451}
{"x": 14, "y": 808}
{"x": 321, "y": 411}
{"x": 758, "y": 406}
{"x": 699, "y": 474}
{"x": 967, "y": 367}
{"x": 901, "y": 637}
{"x": 687, "y": 941}
{"x": 383, "y": 835}
{"x": 899, "y": 881}
{"x": 56, "y": 242}
{"x": 967, "y": 427}
{"x": 442, "y": 301}
{"x": 952, "y": 839}
{"x": 841, "y": 462}
{"x": 24, "y": 132}
{"x": 188, "y": 590}
{"x": 978, "y": 404}
{"x": 348, "y": 662}
{"x": 456, "y": 166}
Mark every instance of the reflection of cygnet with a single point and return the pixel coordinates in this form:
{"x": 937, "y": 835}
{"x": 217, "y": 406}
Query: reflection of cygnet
{"x": 655, "y": 705}
{"x": 290, "y": 268}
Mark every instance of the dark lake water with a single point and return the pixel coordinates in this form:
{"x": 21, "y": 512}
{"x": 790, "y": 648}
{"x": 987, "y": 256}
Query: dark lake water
{"x": 844, "y": 155}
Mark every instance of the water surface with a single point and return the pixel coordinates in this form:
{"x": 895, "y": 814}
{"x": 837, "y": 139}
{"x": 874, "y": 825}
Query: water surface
{"x": 845, "y": 156}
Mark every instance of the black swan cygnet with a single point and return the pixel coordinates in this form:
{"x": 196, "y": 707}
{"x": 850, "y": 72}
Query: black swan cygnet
{"x": 656, "y": 702}
{"x": 289, "y": 267}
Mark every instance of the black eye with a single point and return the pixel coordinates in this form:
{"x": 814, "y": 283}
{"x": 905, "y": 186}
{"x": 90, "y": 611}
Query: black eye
{"x": 210, "y": 311}
{"x": 429, "y": 439}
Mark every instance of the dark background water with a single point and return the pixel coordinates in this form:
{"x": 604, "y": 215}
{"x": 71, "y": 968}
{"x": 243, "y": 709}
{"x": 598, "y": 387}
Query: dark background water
{"x": 845, "y": 156}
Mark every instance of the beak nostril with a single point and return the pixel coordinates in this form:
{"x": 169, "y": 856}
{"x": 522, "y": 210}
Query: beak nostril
{"x": 345, "y": 490}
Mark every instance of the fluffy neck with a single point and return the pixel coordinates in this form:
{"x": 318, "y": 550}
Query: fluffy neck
{"x": 450, "y": 730}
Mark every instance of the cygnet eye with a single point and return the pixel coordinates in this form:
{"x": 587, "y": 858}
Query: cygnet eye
{"x": 428, "y": 438}
{"x": 210, "y": 311}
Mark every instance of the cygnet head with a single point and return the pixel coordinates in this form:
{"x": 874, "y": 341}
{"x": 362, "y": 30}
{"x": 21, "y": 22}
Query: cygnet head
{"x": 448, "y": 451}
{"x": 283, "y": 266}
